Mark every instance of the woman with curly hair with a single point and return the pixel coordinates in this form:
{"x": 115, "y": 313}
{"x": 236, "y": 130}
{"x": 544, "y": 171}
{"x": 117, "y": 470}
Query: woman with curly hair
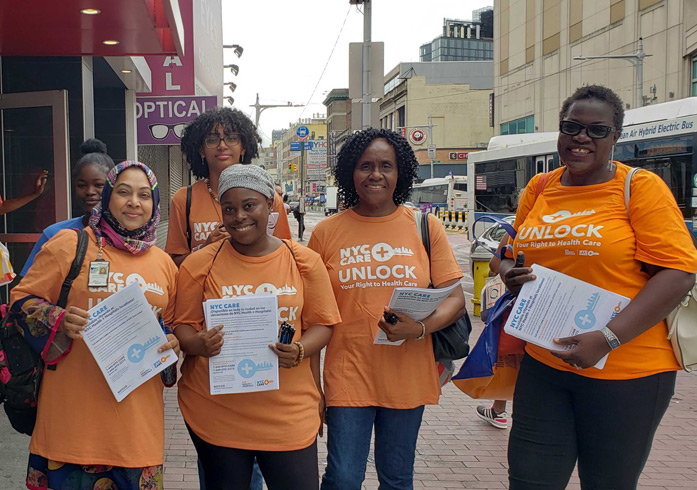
{"x": 212, "y": 142}
{"x": 369, "y": 249}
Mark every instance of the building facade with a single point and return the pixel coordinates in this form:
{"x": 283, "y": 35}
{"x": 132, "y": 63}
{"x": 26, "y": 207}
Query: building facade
{"x": 463, "y": 40}
{"x": 338, "y": 107}
{"x": 307, "y": 165}
{"x": 448, "y": 100}
{"x": 536, "y": 42}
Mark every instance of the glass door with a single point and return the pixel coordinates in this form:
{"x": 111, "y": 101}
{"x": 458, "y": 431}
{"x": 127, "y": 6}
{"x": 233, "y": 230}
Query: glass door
{"x": 33, "y": 137}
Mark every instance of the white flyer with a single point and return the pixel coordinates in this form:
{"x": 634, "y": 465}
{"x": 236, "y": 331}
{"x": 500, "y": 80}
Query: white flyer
{"x": 417, "y": 303}
{"x": 123, "y": 336}
{"x": 245, "y": 363}
{"x": 556, "y": 305}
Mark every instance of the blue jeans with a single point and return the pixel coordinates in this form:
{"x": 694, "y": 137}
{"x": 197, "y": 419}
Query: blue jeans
{"x": 256, "y": 484}
{"x": 348, "y": 444}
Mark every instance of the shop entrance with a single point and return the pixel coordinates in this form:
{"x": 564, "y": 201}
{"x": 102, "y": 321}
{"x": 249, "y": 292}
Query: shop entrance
{"x": 33, "y": 137}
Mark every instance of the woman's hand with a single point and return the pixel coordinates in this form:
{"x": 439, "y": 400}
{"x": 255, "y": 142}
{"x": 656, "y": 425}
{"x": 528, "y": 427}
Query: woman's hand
{"x": 211, "y": 341}
{"x": 172, "y": 343}
{"x": 40, "y": 183}
{"x": 73, "y": 322}
{"x": 405, "y": 328}
{"x": 287, "y": 353}
{"x": 217, "y": 234}
{"x": 516, "y": 275}
{"x": 588, "y": 349}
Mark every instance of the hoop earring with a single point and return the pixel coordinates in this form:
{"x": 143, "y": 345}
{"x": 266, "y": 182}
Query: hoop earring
{"x": 610, "y": 164}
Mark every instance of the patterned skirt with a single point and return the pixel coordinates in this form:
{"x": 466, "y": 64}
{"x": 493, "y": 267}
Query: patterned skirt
{"x": 45, "y": 474}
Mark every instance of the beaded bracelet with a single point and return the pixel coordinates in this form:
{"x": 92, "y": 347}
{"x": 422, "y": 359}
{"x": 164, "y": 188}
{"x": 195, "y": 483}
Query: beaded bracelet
{"x": 301, "y": 354}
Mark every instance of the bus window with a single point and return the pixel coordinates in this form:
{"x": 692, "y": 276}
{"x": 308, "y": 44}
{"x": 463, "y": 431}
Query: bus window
{"x": 540, "y": 165}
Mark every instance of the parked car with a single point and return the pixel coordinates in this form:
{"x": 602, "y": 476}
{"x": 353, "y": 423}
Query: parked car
{"x": 293, "y": 205}
{"x": 489, "y": 241}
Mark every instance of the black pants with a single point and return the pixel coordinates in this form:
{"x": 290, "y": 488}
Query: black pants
{"x": 301, "y": 225}
{"x": 561, "y": 417}
{"x": 227, "y": 468}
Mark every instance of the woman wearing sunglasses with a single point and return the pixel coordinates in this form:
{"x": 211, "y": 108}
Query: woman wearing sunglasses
{"x": 567, "y": 412}
{"x": 212, "y": 142}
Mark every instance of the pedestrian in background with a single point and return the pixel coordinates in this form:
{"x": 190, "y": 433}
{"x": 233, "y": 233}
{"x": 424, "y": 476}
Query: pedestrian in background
{"x": 299, "y": 214}
{"x": 370, "y": 249}
{"x": 89, "y": 177}
{"x": 83, "y": 437}
{"x": 279, "y": 427}
{"x": 215, "y": 140}
{"x": 567, "y": 412}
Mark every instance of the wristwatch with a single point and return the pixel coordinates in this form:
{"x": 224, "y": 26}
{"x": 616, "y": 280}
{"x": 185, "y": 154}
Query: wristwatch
{"x": 611, "y": 338}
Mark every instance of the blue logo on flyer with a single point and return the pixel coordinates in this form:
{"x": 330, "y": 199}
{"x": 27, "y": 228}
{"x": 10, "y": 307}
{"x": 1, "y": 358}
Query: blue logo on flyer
{"x": 247, "y": 368}
{"x": 136, "y": 352}
{"x": 585, "y": 319}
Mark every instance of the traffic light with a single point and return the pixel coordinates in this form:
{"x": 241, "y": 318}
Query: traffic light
{"x": 292, "y": 168}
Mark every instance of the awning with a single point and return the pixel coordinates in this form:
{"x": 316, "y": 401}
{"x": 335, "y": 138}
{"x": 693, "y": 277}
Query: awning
{"x": 62, "y": 28}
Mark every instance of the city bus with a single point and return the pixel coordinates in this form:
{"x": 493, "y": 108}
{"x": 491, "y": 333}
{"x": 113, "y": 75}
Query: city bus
{"x": 446, "y": 193}
{"x": 659, "y": 138}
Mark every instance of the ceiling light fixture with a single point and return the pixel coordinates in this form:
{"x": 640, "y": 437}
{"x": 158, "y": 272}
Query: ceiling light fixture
{"x": 110, "y": 42}
{"x": 90, "y": 11}
{"x": 126, "y": 71}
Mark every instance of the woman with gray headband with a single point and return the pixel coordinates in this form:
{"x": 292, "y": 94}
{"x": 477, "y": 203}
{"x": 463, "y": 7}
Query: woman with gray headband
{"x": 277, "y": 427}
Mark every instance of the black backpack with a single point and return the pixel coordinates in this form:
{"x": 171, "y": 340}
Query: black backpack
{"x": 21, "y": 366}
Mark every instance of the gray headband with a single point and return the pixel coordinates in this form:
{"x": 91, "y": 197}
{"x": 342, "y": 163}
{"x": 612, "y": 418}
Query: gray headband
{"x": 248, "y": 177}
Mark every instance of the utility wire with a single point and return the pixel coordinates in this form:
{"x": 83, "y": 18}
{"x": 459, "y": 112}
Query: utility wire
{"x": 327, "y": 63}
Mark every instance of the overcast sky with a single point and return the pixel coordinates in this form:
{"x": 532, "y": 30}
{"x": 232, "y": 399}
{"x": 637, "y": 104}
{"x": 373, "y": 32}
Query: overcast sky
{"x": 287, "y": 45}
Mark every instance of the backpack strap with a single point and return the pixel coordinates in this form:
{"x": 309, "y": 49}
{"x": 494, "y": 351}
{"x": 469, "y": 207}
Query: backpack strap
{"x": 425, "y": 234}
{"x": 544, "y": 178}
{"x": 81, "y": 249}
{"x": 188, "y": 214}
{"x": 291, "y": 252}
{"x": 628, "y": 190}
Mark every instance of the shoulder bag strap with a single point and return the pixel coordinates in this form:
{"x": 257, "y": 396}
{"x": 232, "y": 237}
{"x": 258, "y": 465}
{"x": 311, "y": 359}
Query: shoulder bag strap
{"x": 291, "y": 252}
{"x": 628, "y": 190}
{"x": 188, "y": 214}
{"x": 81, "y": 249}
{"x": 421, "y": 219}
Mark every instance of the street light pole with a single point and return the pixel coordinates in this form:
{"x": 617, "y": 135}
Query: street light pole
{"x": 261, "y": 107}
{"x": 636, "y": 59}
{"x": 367, "y": 97}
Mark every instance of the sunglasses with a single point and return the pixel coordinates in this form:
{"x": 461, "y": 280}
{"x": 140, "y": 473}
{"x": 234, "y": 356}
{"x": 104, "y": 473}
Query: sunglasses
{"x": 594, "y": 131}
{"x": 213, "y": 141}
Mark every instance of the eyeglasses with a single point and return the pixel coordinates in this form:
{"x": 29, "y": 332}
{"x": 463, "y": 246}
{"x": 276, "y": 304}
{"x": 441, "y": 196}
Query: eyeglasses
{"x": 213, "y": 140}
{"x": 161, "y": 130}
{"x": 594, "y": 131}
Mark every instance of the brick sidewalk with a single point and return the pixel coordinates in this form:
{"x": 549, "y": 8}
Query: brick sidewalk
{"x": 457, "y": 450}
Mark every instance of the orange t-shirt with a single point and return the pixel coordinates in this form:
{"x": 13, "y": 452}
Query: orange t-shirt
{"x": 204, "y": 216}
{"x": 584, "y": 232}
{"x": 79, "y": 420}
{"x": 286, "y": 419}
{"x": 366, "y": 259}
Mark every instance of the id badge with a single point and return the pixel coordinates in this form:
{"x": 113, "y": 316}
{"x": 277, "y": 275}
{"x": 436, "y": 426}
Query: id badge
{"x": 99, "y": 274}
